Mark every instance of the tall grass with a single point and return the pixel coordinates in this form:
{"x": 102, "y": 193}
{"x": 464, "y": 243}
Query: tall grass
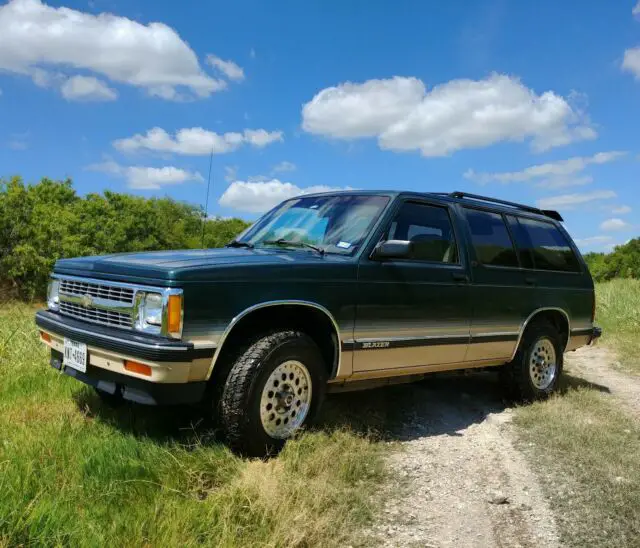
{"x": 73, "y": 472}
{"x": 586, "y": 452}
{"x": 618, "y": 312}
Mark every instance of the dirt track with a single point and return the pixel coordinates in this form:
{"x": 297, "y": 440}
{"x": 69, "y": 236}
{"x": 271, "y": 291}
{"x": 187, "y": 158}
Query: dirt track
{"x": 463, "y": 481}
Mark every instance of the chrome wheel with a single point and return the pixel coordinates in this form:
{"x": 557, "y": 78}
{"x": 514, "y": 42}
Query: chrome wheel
{"x": 543, "y": 364}
{"x": 286, "y": 398}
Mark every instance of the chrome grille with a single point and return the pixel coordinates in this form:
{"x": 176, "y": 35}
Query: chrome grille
{"x": 97, "y": 290}
{"x": 96, "y": 315}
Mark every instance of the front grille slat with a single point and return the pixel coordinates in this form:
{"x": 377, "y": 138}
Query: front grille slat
{"x": 102, "y": 291}
{"x": 94, "y": 313}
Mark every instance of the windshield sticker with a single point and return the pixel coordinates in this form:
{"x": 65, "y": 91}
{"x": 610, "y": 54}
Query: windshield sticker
{"x": 343, "y": 245}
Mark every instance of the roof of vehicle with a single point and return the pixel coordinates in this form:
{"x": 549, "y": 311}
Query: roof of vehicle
{"x": 457, "y": 197}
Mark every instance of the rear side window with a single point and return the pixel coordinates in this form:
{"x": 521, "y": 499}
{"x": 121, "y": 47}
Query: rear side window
{"x": 429, "y": 229}
{"x": 523, "y": 243}
{"x": 491, "y": 239}
{"x": 549, "y": 247}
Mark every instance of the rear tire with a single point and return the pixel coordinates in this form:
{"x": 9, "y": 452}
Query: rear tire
{"x": 273, "y": 390}
{"x": 535, "y": 371}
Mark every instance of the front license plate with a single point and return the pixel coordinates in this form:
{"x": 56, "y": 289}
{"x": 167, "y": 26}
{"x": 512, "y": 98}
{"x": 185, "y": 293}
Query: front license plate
{"x": 75, "y": 355}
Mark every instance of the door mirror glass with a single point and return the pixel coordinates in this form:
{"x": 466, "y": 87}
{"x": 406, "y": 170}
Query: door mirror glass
{"x": 393, "y": 249}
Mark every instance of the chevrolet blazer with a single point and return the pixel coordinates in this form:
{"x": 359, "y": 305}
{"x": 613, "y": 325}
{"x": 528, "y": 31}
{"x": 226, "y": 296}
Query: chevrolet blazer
{"x": 332, "y": 291}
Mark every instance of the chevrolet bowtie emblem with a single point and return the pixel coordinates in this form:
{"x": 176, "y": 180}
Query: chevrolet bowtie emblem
{"x": 87, "y": 301}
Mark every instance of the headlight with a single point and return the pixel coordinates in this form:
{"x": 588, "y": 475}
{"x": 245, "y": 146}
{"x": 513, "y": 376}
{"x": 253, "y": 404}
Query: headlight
{"x": 53, "y": 294}
{"x": 150, "y": 312}
{"x": 160, "y": 313}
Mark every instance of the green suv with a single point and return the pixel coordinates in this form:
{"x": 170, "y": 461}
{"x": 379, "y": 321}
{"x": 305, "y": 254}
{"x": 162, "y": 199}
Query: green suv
{"x": 326, "y": 292}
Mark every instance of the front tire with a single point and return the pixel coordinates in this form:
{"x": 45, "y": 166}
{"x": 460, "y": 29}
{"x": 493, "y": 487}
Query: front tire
{"x": 535, "y": 372}
{"x": 273, "y": 390}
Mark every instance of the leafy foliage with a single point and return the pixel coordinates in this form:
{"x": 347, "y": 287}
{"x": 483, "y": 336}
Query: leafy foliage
{"x": 622, "y": 262}
{"x": 46, "y": 221}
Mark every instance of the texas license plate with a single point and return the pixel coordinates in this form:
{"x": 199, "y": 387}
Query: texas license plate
{"x": 75, "y": 355}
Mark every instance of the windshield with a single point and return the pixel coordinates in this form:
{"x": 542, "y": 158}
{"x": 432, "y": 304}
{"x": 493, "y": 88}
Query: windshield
{"x": 335, "y": 224}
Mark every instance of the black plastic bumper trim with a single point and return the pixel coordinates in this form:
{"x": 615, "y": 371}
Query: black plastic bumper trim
{"x": 132, "y": 388}
{"x": 135, "y": 345}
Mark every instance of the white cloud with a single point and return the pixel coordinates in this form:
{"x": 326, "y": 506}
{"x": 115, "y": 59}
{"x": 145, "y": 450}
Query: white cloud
{"x": 147, "y": 178}
{"x": 257, "y": 197}
{"x": 459, "y": 114}
{"x": 152, "y": 56}
{"x": 622, "y": 210}
{"x": 568, "y": 201}
{"x": 631, "y": 61}
{"x": 261, "y": 138}
{"x": 196, "y": 141}
{"x": 284, "y": 166}
{"x": 614, "y": 224}
{"x": 593, "y": 240}
{"x": 230, "y": 173}
{"x": 636, "y": 9}
{"x": 564, "y": 182}
{"x": 228, "y": 68}
{"x": 87, "y": 88}
{"x": 562, "y": 168}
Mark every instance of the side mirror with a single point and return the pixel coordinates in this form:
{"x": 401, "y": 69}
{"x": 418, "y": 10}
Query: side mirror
{"x": 393, "y": 249}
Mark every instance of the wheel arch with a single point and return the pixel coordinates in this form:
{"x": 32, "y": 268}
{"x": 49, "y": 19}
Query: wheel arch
{"x": 327, "y": 337}
{"x": 557, "y": 316}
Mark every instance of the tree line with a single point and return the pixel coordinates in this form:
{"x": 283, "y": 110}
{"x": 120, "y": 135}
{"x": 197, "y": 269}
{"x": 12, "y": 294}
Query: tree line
{"x": 622, "y": 262}
{"x": 40, "y": 223}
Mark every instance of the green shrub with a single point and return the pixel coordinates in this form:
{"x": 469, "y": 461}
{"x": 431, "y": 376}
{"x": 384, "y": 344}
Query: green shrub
{"x": 622, "y": 262}
{"x": 46, "y": 221}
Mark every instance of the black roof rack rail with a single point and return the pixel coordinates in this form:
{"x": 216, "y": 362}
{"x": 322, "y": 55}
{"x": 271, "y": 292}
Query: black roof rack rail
{"x": 546, "y": 212}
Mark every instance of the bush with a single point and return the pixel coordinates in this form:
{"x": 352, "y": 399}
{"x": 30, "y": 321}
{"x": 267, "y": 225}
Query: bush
{"x": 623, "y": 262}
{"x": 44, "y": 222}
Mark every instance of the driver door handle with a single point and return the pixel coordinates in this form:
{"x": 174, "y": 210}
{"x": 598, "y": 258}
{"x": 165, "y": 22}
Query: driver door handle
{"x": 530, "y": 280}
{"x": 458, "y": 277}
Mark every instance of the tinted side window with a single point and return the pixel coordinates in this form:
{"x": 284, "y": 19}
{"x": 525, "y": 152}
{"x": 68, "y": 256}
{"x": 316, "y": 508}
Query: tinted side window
{"x": 429, "y": 229}
{"x": 523, "y": 243}
{"x": 551, "y": 250}
{"x": 491, "y": 239}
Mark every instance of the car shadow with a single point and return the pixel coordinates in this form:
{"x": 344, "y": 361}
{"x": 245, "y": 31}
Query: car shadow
{"x": 177, "y": 423}
{"x": 441, "y": 404}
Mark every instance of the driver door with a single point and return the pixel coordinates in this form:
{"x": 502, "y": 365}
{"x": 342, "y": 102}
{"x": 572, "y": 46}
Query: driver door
{"x": 414, "y": 311}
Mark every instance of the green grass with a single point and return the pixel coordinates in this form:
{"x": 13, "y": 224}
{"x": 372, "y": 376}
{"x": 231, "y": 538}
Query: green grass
{"x": 73, "y": 472}
{"x": 586, "y": 452}
{"x": 618, "y": 313}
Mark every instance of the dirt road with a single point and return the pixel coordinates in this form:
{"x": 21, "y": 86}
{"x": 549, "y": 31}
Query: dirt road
{"x": 464, "y": 483}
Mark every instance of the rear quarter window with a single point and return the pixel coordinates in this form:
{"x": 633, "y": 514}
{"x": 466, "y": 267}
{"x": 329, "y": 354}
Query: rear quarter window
{"x": 548, "y": 246}
{"x": 490, "y": 238}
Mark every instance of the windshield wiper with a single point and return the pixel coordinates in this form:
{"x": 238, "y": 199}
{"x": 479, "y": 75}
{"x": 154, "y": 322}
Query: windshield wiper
{"x": 283, "y": 242}
{"x": 237, "y": 243}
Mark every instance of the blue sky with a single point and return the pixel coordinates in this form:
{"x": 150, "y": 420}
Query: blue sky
{"x": 537, "y": 102}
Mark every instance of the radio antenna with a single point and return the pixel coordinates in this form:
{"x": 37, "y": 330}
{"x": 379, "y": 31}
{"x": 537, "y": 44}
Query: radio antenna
{"x": 206, "y": 203}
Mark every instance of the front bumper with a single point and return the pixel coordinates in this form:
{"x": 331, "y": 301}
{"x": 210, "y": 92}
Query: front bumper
{"x": 134, "y": 389}
{"x": 178, "y": 369}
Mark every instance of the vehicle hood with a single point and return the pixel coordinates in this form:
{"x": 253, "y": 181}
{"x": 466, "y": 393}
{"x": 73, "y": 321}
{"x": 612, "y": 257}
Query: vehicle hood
{"x": 188, "y": 264}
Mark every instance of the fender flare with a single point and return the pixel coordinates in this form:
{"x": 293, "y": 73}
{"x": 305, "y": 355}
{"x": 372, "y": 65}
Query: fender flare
{"x": 533, "y": 315}
{"x": 247, "y": 311}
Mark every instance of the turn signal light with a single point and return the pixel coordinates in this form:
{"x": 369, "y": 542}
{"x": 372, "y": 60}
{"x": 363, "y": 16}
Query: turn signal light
{"x": 45, "y": 336}
{"x": 136, "y": 367}
{"x": 174, "y": 314}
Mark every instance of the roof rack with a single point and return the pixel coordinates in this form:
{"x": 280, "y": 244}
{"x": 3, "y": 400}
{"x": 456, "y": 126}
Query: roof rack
{"x": 546, "y": 212}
